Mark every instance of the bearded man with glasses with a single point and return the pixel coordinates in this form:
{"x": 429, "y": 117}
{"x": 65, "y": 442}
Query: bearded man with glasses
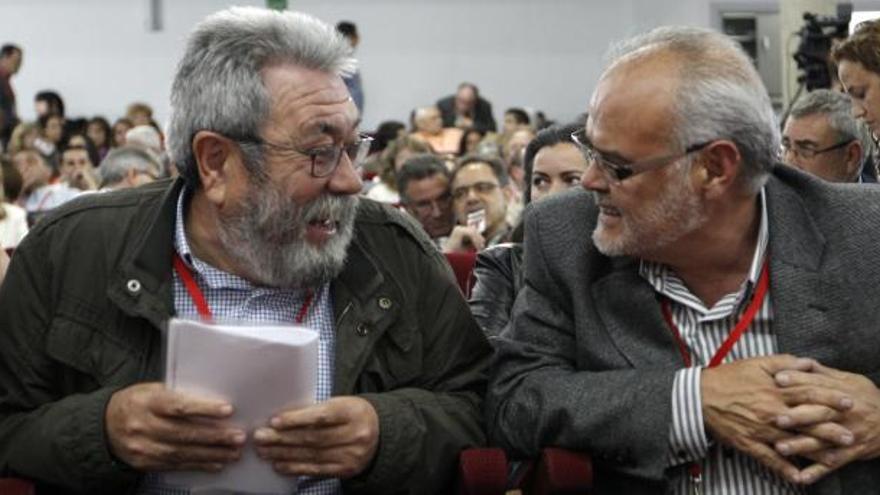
{"x": 697, "y": 319}
{"x": 264, "y": 225}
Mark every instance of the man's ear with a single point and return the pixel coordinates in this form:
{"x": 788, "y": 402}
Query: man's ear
{"x": 215, "y": 157}
{"x": 853, "y": 159}
{"x": 720, "y": 165}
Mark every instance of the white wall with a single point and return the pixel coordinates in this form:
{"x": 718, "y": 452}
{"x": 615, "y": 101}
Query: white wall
{"x": 544, "y": 54}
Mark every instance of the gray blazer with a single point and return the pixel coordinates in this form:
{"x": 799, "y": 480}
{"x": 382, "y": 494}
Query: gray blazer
{"x": 587, "y": 362}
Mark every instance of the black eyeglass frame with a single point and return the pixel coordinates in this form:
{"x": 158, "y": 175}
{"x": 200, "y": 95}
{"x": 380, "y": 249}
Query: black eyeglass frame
{"x": 619, "y": 172}
{"x": 357, "y": 152}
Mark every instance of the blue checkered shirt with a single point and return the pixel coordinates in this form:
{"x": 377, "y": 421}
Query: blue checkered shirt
{"x": 234, "y": 298}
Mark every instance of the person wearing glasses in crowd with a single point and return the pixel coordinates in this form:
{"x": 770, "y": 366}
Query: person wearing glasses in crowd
{"x": 696, "y": 318}
{"x": 480, "y": 192}
{"x": 264, "y": 224}
{"x": 553, "y": 164}
{"x": 423, "y": 181}
{"x": 129, "y": 166}
{"x": 821, "y": 137}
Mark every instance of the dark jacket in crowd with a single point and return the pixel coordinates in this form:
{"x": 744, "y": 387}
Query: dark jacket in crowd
{"x": 483, "y": 118}
{"x": 89, "y": 292}
{"x": 498, "y": 274}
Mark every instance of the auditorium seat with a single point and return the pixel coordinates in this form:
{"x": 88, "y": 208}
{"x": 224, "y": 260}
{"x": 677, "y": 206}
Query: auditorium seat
{"x": 462, "y": 263}
{"x": 14, "y": 486}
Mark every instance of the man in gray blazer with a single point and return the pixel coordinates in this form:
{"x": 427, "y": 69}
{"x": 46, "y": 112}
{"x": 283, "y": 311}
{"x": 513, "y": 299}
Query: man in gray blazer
{"x": 675, "y": 315}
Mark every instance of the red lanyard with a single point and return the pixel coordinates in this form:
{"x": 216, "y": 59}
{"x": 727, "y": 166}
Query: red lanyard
{"x": 739, "y": 329}
{"x": 741, "y": 326}
{"x": 202, "y": 305}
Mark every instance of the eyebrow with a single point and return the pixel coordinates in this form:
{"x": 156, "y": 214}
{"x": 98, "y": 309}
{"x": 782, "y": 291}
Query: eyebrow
{"x": 802, "y": 142}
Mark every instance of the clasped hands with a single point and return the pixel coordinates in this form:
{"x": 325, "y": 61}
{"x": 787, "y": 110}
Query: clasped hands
{"x": 154, "y": 429}
{"x": 779, "y": 408}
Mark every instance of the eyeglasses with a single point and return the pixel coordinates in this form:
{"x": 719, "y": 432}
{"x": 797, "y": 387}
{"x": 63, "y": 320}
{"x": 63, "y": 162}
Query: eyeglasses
{"x": 618, "y": 172}
{"x": 426, "y": 206}
{"x": 480, "y": 188}
{"x": 807, "y": 153}
{"x": 324, "y": 160}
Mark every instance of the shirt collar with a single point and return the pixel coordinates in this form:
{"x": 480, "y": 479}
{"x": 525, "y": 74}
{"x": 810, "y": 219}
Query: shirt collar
{"x": 666, "y": 282}
{"x": 213, "y": 277}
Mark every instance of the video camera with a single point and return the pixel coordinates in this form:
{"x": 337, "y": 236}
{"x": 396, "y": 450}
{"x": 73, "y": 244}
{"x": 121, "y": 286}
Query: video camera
{"x": 815, "y": 46}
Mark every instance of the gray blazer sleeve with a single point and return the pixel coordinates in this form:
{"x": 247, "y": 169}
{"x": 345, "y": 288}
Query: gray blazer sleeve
{"x": 557, "y": 378}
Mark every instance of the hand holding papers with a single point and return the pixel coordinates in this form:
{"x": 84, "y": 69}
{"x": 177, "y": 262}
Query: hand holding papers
{"x": 260, "y": 370}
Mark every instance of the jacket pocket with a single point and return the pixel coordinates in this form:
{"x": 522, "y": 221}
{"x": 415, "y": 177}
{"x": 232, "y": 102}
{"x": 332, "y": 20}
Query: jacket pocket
{"x": 88, "y": 351}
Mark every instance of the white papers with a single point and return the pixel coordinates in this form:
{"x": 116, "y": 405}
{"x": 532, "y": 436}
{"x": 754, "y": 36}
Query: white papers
{"x": 260, "y": 370}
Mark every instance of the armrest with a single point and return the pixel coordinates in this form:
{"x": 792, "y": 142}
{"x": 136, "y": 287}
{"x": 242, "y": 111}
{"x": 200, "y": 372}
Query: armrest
{"x": 482, "y": 471}
{"x": 15, "y": 486}
{"x": 563, "y": 472}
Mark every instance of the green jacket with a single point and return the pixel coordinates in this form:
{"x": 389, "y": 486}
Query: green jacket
{"x": 90, "y": 289}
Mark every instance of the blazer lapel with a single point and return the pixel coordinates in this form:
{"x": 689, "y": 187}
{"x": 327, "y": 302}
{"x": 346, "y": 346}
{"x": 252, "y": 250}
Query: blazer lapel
{"x": 630, "y": 312}
{"x": 807, "y": 302}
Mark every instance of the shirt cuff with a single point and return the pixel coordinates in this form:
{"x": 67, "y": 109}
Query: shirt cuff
{"x": 687, "y": 434}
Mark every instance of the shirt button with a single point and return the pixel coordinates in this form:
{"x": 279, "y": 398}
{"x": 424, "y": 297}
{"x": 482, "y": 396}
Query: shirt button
{"x": 362, "y": 329}
{"x": 385, "y": 303}
{"x": 133, "y": 286}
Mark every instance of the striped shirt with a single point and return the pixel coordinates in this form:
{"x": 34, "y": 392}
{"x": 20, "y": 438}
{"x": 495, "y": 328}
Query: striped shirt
{"x": 703, "y": 330}
{"x": 232, "y": 297}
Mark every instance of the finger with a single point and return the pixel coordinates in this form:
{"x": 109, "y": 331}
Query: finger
{"x": 773, "y": 460}
{"x": 796, "y": 395}
{"x": 195, "y": 433}
{"x": 813, "y": 473}
{"x": 305, "y": 437}
{"x": 321, "y": 415}
{"x": 176, "y": 455}
{"x": 789, "y": 378}
{"x": 176, "y": 404}
{"x": 806, "y": 415}
{"x": 305, "y": 455}
{"x": 779, "y": 362}
{"x": 802, "y": 445}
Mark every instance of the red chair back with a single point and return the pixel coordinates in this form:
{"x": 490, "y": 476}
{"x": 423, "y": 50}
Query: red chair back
{"x": 462, "y": 263}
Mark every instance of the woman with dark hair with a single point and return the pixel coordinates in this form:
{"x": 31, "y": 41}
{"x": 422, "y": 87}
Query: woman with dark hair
{"x": 98, "y": 130}
{"x": 470, "y": 140}
{"x": 553, "y": 163}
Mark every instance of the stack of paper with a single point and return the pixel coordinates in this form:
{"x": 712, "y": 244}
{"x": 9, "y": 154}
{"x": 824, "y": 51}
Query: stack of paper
{"x": 260, "y": 370}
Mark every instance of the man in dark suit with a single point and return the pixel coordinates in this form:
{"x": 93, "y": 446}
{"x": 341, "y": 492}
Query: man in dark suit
{"x": 467, "y": 109}
{"x": 673, "y": 318}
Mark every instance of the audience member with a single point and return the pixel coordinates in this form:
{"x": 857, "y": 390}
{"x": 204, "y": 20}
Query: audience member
{"x": 821, "y": 137}
{"x": 128, "y": 166}
{"x": 349, "y": 31}
{"x": 469, "y": 142}
{"x": 23, "y": 137}
{"x": 266, "y": 233}
{"x": 77, "y": 168}
{"x": 120, "y": 128}
{"x": 514, "y": 119}
{"x": 13, "y": 220}
{"x": 10, "y": 63}
{"x": 479, "y": 198}
{"x": 139, "y": 113}
{"x": 398, "y": 151}
{"x": 48, "y": 102}
{"x": 466, "y": 109}
{"x": 429, "y": 128}
{"x": 687, "y": 219}
{"x": 99, "y": 132}
{"x": 423, "y": 181}
{"x": 146, "y": 137}
{"x": 553, "y": 164}
{"x": 41, "y": 190}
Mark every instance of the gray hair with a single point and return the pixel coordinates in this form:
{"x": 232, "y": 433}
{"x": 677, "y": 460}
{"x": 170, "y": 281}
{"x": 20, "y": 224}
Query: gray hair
{"x": 720, "y": 96}
{"x": 219, "y": 87}
{"x": 115, "y": 166}
{"x": 837, "y": 108}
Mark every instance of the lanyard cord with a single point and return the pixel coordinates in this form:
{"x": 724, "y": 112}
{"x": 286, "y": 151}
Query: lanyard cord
{"x": 198, "y": 298}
